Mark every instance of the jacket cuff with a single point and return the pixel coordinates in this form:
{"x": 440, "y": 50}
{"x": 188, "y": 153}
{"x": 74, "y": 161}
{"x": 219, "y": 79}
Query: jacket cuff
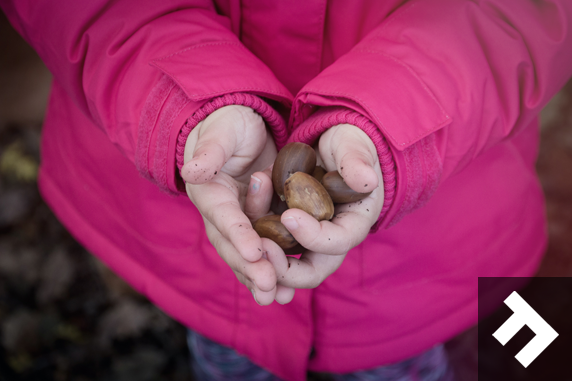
{"x": 410, "y": 177}
{"x": 165, "y": 125}
{"x": 419, "y": 169}
{"x": 327, "y": 117}
{"x": 165, "y": 111}
{"x": 273, "y": 120}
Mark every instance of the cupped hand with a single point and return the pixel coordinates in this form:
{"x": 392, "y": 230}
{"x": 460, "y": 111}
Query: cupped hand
{"x": 347, "y": 149}
{"x": 221, "y": 155}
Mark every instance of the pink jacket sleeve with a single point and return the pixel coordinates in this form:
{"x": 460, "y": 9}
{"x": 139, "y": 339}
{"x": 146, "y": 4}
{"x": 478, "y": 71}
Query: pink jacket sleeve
{"x": 139, "y": 70}
{"x": 443, "y": 81}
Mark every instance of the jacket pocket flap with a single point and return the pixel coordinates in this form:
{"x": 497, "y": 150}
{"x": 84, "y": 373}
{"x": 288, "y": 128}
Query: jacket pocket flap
{"x": 212, "y": 69}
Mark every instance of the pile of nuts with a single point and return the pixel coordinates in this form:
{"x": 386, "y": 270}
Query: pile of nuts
{"x": 303, "y": 185}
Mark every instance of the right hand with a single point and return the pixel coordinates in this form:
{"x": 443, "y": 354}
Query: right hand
{"x": 349, "y": 151}
{"x": 223, "y": 154}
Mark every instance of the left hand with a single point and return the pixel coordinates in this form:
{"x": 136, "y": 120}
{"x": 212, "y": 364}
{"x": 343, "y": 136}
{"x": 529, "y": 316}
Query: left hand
{"x": 347, "y": 149}
{"x": 222, "y": 156}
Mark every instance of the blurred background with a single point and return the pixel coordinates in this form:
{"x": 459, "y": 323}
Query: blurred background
{"x": 65, "y": 316}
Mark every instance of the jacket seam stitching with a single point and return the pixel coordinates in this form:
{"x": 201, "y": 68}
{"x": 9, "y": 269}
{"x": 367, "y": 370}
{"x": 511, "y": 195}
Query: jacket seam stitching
{"x": 396, "y": 16}
{"x": 197, "y": 47}
{"x": 222, "y": 91}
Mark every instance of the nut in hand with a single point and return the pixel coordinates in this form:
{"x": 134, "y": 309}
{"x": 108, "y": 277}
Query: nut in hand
{"x": 340, "y": 192}
{"x": 319, "y": 173}
{"x": 294, "y": 157}
{"x": 271, "y": 227}
{"x": 302, "y": 191}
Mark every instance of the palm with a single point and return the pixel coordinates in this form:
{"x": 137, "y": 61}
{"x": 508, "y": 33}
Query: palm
{"x": 348, "y": 150}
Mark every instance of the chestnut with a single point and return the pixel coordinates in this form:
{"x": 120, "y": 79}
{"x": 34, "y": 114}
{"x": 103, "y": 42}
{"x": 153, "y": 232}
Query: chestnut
{"x": 319, "y": 173}
{"x": 339, "y": 191}
{"x": 294, "y": 157}
{"x": 302, "y": 191}
{"x": 277, "y": 206}
{"x": 298, "y": 249}
{"x": 271, "y": 227}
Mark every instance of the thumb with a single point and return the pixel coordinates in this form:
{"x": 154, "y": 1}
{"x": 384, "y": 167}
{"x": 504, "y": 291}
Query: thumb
{"x": 207, "y": 161}
{"x": 353, "y": 154}
{"x": 211, "y": 144}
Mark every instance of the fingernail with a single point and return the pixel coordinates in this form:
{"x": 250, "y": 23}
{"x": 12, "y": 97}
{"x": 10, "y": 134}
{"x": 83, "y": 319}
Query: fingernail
{"x": 254, "y": 185}
{"x": 290, "y": 223}
{"x": 254, "y": 296}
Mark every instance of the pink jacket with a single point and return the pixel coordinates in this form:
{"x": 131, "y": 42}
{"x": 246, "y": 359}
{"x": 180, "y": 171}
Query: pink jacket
{"x": 449, "y": 90}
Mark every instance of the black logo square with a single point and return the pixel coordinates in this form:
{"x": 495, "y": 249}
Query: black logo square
{"x": 537, "y": 305}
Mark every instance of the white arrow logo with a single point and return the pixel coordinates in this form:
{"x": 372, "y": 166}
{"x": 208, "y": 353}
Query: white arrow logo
{"x": 525, "y": 315}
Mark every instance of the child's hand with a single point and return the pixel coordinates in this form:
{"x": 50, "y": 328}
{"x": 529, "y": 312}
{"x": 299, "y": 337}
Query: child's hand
{"x": 221, "y": 154}
{"x": 351, "y": 152}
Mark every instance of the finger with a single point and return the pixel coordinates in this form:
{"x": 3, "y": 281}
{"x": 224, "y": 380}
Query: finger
{"x": 263, "y": 298}
{"x": 261, "y": 273}
{"x": 279, "y": 260}
{"x": 210, "y": 146}
{"x": 259, "y": 196}
{"x": 276, "y": 256}
{"x": 310, "y": 270}
{"x": 347, "y": 229}
{"x": 284, "y": 295}
{"x": 220, "y": 207}
{"x": 208, "y": 160}
{"x": 354, "y": 156}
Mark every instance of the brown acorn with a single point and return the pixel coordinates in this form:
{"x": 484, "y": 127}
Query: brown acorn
{"x": 294, "y": 157}
{"x": 302, "y": 191}
{"x": 319, "y": 173}
{"x": 339, "y": 191}
{"x": 277, "y": 206}
{"x": 298, "y": 249}
{"x": 271, "y": 227}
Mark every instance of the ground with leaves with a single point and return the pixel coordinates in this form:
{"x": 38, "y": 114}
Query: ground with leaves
{"x": 63, "y": 315}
